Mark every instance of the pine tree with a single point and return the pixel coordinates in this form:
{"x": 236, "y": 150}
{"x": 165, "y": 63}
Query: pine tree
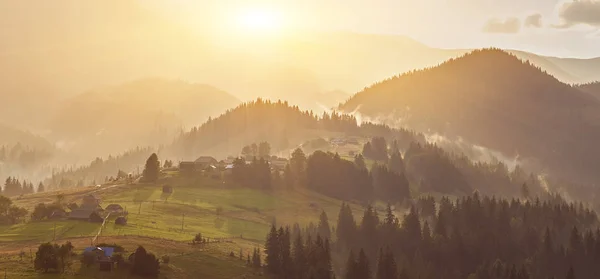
{"x": 151, "y": 169}
{"x": 272, "y": 250}
{"x": 351, "y": 267}
{"x": 324, "y": 229}
{"x": 287, "y": 267}
{"x": 41, "y": 188}
{"x": 396, "y": 164}
{"x": 359, "y": 161}
{"x": 299, "y": 257}
{"x": 440, "y": 227}
{"x": 363, "y": 270}
{"x": 386, "y": 265}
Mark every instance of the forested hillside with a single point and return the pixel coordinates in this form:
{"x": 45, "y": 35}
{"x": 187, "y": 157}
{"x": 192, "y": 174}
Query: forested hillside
{"x": 282, "y": 125}
{"x": 477, "y": 237}
{"x": 100, "y": 170}
{"x": 492, "y": 99}
{"x": 592, "y": 88}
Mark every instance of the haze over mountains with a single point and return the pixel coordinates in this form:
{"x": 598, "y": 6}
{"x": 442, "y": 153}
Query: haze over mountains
{"x": 492, "y": 99}
{"x": 115, "y": 75}
{"x": 69, "y": 47}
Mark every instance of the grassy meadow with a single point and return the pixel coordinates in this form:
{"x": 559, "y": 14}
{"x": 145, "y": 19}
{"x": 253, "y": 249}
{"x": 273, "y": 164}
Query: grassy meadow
{"x": 214, "y": 207}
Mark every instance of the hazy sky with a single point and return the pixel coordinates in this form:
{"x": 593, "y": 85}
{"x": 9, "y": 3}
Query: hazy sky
{"x": 550, "y": 27}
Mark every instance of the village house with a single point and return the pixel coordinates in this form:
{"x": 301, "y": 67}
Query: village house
{"x": 278, "y": 163}
{"x": 102, "y": 257}
{"x": 202, "y": 163}
{"x": 90, "y": 210}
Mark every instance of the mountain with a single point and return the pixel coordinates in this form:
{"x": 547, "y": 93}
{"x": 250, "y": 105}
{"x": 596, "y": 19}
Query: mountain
{"x": 10, "y": 136}
{"x": 67, "y": 47}
{"x": 282, "y": 125}
{"x": 568, "y": 70}
{"x": 140, "y": 113}
{"x": 491, "y": 98}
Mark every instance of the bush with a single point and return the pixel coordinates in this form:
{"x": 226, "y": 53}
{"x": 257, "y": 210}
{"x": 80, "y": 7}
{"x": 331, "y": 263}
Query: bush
{"x": 145, "y": 264}
{"x": 198, "y": 238}
{"x": 166, "y": 259}
{"x": 88, "y": 259}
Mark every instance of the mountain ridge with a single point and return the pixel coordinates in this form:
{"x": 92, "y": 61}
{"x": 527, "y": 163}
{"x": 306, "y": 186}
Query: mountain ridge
{"x": 493, "y": 99}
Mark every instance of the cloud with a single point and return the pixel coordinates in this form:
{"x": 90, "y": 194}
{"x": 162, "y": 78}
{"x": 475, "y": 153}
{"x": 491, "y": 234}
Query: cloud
{"x": 580, "y": 12}
{"x": 534, "y": 21}
{"x": 510, "y": 25}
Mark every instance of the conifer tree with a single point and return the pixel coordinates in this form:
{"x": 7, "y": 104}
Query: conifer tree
{"x": 273, "y": 253}
{"x": 324, "y": 229}
{"x": 151, "y": 169}
{"x": 363, "y": 270}
{"x": 351, "y": 267}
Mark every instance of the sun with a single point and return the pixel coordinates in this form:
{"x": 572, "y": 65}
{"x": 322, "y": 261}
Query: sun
{"x": 260, "y": 20}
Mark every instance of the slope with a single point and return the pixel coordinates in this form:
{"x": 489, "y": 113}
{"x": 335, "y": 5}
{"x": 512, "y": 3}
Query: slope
{"x": 145, "y": 112}
{"x": 492, "y": 99}
{"x": 592, "y": 88}
{"x": 284, "y": 126}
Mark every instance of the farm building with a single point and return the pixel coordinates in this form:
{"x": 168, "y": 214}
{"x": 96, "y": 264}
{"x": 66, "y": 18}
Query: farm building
{"x": 102, "y": 256}
{"x": 202, "y": 163}
{"x": 114, "y": 208}
{"x": 279, "y": 163}
{"x": 58, "y": 214}
{"x": 86, "y": 214}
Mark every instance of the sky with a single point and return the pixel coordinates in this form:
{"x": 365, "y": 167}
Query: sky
{"x": 563, "y": 28}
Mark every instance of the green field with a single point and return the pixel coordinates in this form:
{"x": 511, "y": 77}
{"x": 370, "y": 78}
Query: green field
{"x": 215, "y": 208}
{"x": 187, "y": 261}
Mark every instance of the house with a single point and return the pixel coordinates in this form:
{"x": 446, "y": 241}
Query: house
{"x": 205, "y": 161}
{"x": 103, "y": 257}
{"x": 86, "y": 214}
{"x": 81, "y": 214}
{"x": 114, "y": 208}
{"x": 202, "y": 163}
{"x": 279, "y": 163}
{"x": 58, "y": 214}
{"x": 90, "y": 201}
{"x": 187, "y": 167}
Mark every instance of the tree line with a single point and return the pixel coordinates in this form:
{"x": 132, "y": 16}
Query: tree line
{"x": 471, "y": 237}
{"x": 15, "y": 187}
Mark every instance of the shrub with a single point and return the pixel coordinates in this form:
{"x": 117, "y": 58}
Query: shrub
{"x": 198, "y": 238}
{"x": 145, "y": 264}
{"x": 88, "y": 259}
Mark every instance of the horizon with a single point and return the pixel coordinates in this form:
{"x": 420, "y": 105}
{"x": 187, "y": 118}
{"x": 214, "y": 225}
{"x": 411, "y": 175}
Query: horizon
{"x": 558, "y": 28}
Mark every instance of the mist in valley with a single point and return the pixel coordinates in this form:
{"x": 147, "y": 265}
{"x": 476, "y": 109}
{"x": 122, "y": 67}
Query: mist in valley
{"x": 350, "y": 135}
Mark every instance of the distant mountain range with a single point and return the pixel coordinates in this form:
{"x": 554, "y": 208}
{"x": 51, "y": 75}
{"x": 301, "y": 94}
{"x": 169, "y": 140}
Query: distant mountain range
{"x": 67, "y": 47}
{"x": 491, "y": 98}
{"x": 145, "y": 112}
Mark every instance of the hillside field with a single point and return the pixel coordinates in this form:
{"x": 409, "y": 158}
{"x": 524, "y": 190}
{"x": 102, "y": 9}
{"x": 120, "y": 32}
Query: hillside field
{"x": 238, "y": 217}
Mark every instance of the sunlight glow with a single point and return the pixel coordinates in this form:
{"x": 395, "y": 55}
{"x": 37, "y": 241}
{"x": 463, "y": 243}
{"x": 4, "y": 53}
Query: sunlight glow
{"x": 260, "y": 21}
